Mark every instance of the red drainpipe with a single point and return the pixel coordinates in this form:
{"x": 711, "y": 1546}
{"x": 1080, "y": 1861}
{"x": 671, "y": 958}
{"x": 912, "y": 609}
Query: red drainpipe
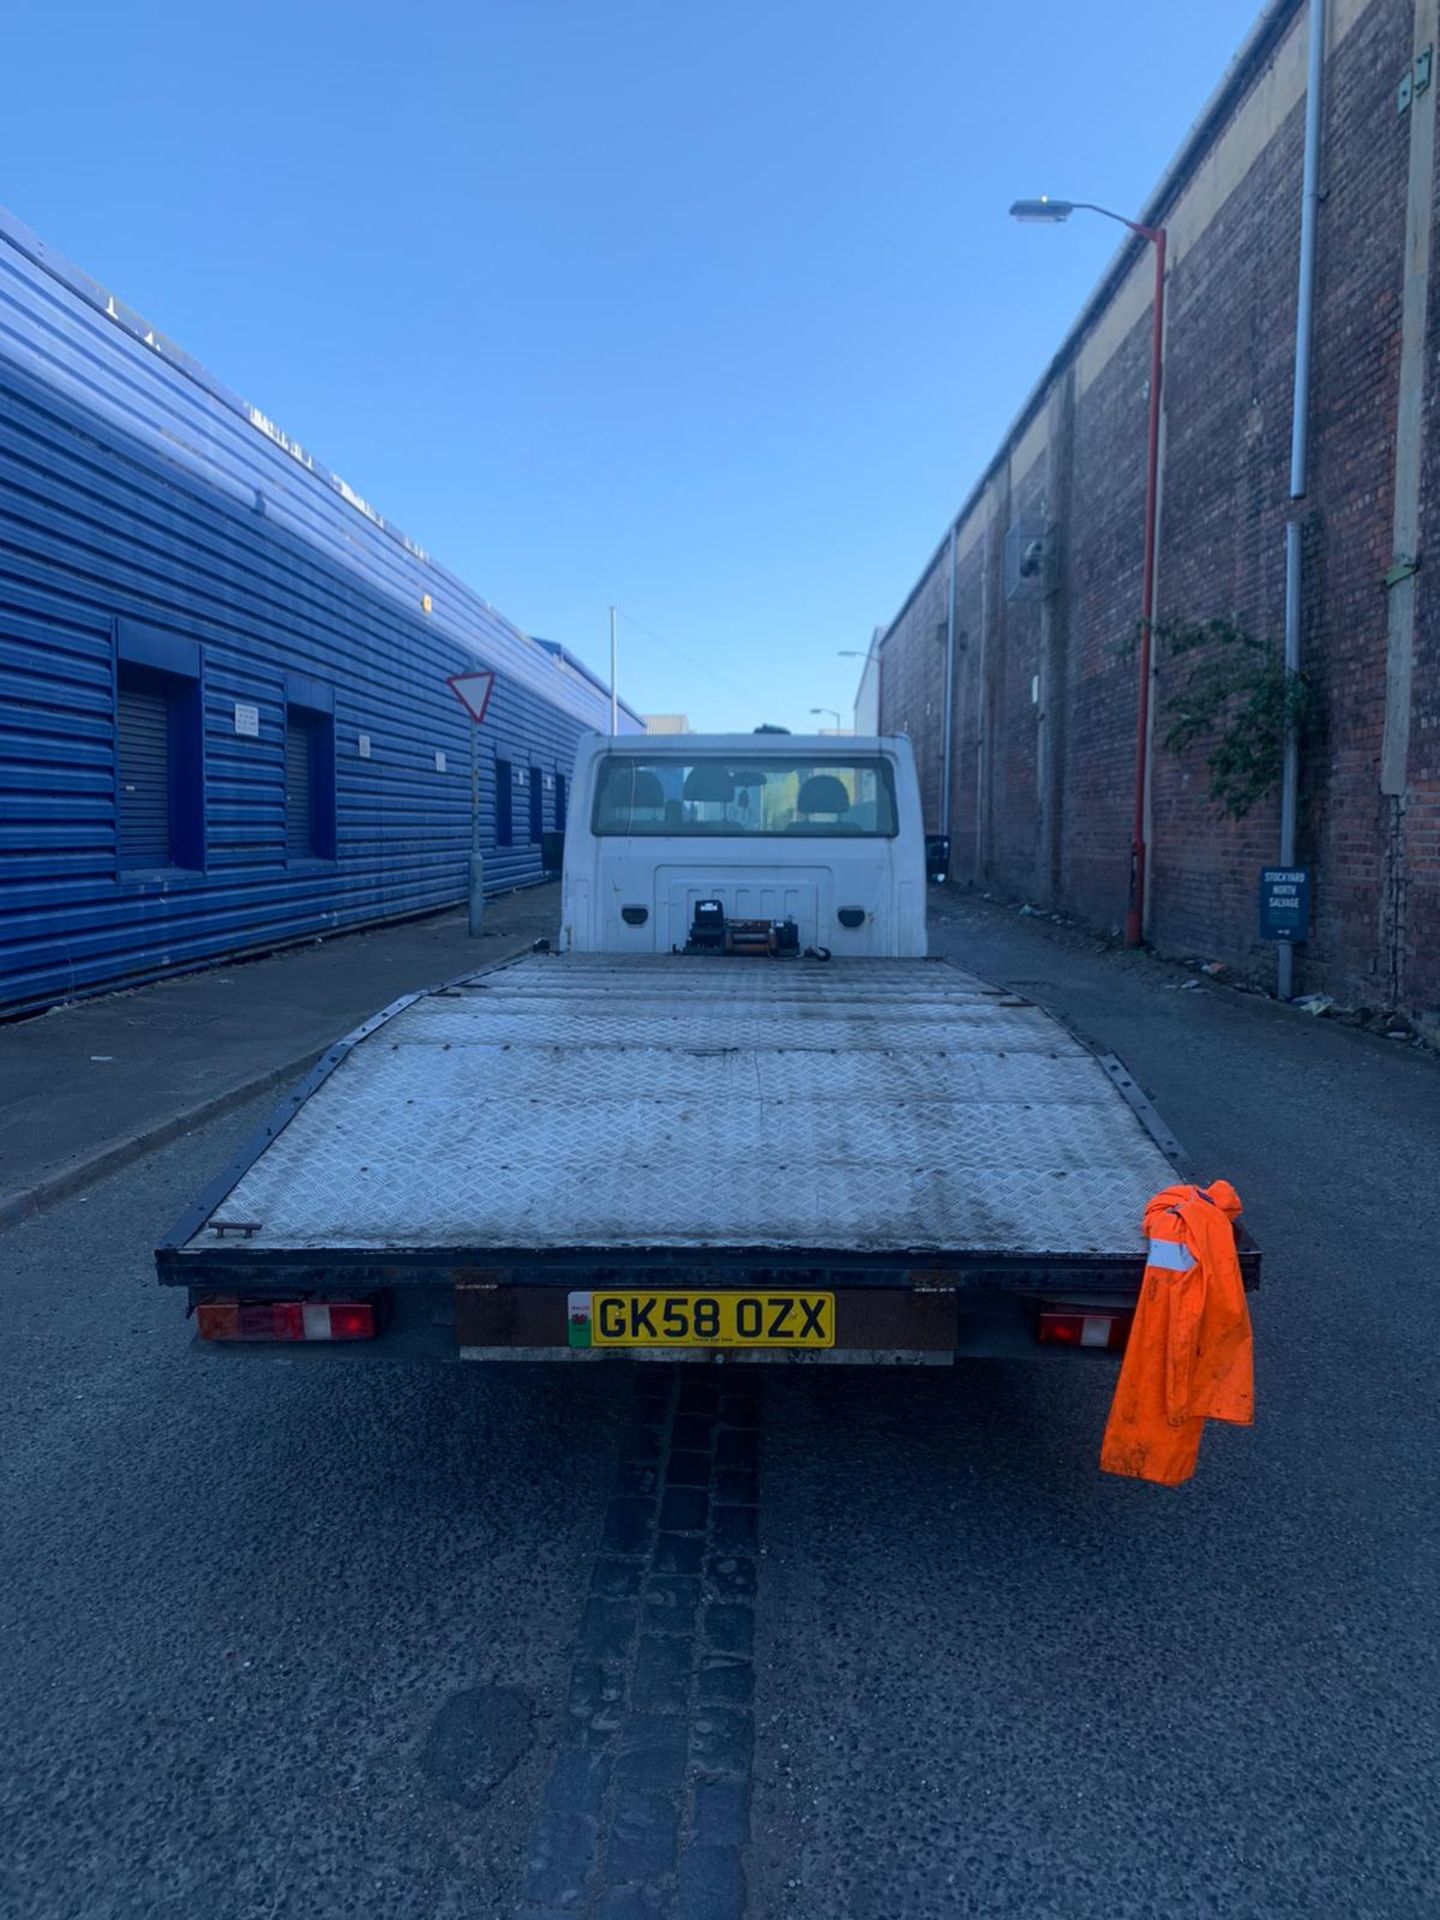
{"x": 1135, "y": 911}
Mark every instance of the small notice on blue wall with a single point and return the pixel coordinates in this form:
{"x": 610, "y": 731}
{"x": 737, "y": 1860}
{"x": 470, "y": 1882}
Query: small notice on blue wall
{"x": 1285, "y": 903}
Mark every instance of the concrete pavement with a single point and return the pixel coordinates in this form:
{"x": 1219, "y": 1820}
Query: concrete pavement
{"x": 303, "y": 1640}
{"x": 88, "y": 1086}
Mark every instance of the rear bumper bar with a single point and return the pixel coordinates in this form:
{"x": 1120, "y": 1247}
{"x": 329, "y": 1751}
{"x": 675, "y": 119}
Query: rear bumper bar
{"x": 931, "y": 1326}
{"x": 240, "y": 1268}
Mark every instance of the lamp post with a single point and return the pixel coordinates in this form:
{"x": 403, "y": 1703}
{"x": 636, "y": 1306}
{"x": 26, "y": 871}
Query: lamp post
{"x": 833, "y": 713}
{"x": 614, "y": 684}
{"x": 1052, "y": 212}
{"x": 867, "y": 654}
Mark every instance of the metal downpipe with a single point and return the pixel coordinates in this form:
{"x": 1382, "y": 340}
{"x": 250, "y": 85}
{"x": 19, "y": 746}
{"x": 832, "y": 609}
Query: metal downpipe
{"x": 947, "y": 732}
{"x": 1299, "y": 450}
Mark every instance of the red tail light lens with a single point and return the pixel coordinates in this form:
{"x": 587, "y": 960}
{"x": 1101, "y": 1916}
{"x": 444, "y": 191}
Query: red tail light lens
{"x": 352, "y": 1320}
{"x": 286, "y": 1319}
{"x": 218, "y": 1320}
{"x": 1073, "y": 1327}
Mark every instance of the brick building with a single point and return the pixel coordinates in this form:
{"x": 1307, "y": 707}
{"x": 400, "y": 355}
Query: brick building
{"x": 1044, "y": 688}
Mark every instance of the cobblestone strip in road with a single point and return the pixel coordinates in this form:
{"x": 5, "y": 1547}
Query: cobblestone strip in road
{"x": 646, "y": 1814}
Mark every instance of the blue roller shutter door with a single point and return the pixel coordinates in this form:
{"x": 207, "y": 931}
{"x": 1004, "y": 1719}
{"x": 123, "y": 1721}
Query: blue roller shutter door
{"x": 299, "y": 789}
{"x": 159, "y": 751}
{"x": 144, "y": 769}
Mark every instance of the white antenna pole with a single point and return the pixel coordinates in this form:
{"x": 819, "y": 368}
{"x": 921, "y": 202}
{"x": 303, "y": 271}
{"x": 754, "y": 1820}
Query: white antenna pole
{"x": 614, "y": 695}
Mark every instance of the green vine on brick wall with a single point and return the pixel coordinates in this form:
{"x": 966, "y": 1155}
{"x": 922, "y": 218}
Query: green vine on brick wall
{"x": 1238, "y": 699}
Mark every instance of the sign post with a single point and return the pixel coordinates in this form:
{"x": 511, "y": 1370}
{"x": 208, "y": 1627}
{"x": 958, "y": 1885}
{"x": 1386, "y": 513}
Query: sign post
{"x": 473, "y": 691}
{"x": 1285, "y": 904}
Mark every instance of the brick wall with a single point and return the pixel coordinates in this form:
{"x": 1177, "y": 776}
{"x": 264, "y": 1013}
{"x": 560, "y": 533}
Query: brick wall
{"x": 1045, "y": 693}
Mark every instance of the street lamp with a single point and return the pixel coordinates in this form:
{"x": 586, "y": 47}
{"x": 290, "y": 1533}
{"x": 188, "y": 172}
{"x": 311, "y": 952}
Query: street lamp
{"x": 866, "y": 654}
{"x": 1053, "y": 212}
{"x": 832, "y": 713}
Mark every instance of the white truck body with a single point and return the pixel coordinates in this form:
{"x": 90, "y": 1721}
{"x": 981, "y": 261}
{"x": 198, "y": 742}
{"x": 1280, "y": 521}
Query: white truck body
{"x": 638, "y": 842}
{"x": 926, "y": 1165}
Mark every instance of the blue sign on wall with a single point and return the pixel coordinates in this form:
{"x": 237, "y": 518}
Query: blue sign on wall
{"x": 1285, "y": 903}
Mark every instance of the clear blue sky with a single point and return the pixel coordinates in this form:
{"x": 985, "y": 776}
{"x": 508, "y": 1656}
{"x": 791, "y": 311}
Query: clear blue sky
{"x": 711, "y": 311}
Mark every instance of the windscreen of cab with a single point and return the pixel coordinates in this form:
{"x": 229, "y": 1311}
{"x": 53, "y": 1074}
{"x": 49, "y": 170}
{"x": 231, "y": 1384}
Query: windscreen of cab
{"x": 844, "y": 796}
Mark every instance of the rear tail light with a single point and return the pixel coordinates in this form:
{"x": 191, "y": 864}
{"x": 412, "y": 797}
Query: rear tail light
{"x": 1074, "y": 1327}
{"x": 286, "y": 1319}
{"x": 349, "y": 1320}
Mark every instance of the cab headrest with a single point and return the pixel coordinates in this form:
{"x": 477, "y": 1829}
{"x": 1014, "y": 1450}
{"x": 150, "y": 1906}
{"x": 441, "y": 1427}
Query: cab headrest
{"x": 646, "y": 791}
{"x": 822, "y": 793}
{"x": 708, "y": 780}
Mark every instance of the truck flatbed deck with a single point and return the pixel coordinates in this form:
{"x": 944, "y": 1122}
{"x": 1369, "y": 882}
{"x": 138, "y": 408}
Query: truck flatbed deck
{"x": 690, "y": 1132}
{"x": 853, "y": 1112}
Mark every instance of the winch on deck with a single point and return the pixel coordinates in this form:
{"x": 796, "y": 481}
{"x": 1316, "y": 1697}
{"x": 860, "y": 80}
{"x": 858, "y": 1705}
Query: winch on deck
{"x": 711, "y": 931}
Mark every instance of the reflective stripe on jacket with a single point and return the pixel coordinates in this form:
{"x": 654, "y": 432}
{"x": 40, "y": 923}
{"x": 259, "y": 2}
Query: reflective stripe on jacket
{"x": 1190, "y": 1356}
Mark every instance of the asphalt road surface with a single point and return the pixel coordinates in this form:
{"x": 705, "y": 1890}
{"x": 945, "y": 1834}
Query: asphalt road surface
{"x": 283, "y": 1640}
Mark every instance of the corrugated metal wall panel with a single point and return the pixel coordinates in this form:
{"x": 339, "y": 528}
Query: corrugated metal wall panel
{"x": 101, "y": 520}
{"x": 78, "y": 340}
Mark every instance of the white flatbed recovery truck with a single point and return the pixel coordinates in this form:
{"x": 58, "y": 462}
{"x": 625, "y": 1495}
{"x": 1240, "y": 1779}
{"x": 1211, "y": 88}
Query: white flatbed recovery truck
{"x": 704, "y": 1126}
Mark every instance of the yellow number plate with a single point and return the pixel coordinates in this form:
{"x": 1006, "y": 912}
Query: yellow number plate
{"x": 706, "y": 1319}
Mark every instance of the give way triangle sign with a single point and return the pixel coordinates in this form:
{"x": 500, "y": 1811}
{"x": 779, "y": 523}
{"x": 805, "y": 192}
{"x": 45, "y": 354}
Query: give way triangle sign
{"x": 473, "y": 691}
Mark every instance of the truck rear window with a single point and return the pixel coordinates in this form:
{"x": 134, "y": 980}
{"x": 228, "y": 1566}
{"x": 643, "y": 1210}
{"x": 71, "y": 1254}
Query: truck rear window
{"x": 847, "y": 797}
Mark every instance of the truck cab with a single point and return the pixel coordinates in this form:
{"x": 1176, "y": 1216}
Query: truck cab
{"x": 821, "y": 836}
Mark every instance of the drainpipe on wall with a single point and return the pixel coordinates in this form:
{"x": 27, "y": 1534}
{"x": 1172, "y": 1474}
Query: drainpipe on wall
{"x": 1299, "y": 440}
{"x": 947, "y": 732}
{"x": 982, "y": 732}
{"x": 1401, "y": 583}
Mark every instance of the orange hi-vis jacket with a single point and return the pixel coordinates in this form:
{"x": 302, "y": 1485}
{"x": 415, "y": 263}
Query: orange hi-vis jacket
{"x": 1190, "y": 1356}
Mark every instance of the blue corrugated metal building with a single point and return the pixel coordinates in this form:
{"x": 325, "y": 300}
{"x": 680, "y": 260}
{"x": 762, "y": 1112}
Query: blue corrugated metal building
{"x": 224, "y": 721}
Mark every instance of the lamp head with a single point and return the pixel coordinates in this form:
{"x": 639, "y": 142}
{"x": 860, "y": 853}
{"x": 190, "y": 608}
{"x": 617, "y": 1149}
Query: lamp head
{"x": 1043, "y": 211}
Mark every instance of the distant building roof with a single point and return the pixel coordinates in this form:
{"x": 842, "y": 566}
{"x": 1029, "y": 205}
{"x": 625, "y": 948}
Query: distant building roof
{"x": 666, "y": 722}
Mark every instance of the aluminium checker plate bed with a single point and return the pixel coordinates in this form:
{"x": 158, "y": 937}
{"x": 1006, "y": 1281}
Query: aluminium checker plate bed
{"x": 862, "y": 1111}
